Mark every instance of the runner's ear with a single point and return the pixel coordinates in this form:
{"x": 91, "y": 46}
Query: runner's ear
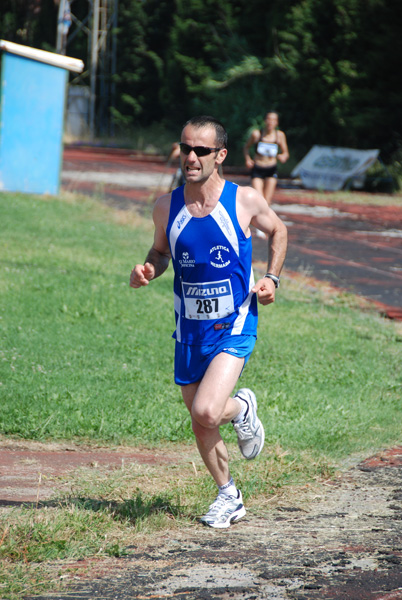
{"x": 221, "y": 155}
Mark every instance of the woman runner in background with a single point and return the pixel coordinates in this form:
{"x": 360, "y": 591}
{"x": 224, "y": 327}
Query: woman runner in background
{"x": 270, "y": 147}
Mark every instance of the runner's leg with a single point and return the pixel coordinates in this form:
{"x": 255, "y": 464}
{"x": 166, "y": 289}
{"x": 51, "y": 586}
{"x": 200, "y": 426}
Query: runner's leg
{"x": 269, "y": 188}
{"x": 258, "y": 184}
{"x": 211, "y": 405}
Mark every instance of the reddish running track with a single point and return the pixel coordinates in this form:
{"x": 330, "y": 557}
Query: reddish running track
{"x": 357, "y": 248}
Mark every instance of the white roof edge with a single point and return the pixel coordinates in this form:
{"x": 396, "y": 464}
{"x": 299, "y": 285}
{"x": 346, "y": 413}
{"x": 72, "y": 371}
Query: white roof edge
{"x": 50, "y": 58}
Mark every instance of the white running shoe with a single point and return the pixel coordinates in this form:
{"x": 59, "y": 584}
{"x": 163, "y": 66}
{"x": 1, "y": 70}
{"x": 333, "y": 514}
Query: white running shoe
{"x": 224, "y": 511}
{"x": 250, "y": 431}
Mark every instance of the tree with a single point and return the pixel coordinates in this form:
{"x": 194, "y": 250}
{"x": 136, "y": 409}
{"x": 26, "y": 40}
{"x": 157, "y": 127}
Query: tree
{"x": 142, "y": 44}
{"x": 29, "y": 22}
{"x": 340, "y": 59}
{"x": 329, "y": 67}
{"x": 214, "y": 62}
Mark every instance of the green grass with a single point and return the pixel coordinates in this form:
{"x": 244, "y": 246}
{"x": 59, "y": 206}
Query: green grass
{"x": 334, "y": 378}
{"x": 85, "y": 358}
{"x": 80, "y": 349}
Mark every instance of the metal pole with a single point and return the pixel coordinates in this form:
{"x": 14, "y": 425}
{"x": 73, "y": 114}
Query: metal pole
{"x": 60, "y": 45}
{"x": 103, "y": 59}
{"x": 114, "y": 63}
{"x": 94, "y": 66}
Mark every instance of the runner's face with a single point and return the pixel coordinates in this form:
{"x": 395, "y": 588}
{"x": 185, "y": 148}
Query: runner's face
{"x": 271, "y": 121}
{"x": 195, "y": 168}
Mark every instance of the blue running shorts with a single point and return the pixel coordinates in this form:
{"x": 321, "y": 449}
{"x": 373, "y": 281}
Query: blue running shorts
{"x": 191, "y": 362}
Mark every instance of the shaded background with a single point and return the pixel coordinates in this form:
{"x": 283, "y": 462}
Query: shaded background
{"x": 331, "y": 68}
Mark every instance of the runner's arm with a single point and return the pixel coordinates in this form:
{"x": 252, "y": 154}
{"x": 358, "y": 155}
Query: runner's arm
{"x": 283, "y": 145}
{"x": 157, "y": 260}
{"x": 253, "y": 209}
{"x": 253, "y": 139}
{"x": 277, "y": 244}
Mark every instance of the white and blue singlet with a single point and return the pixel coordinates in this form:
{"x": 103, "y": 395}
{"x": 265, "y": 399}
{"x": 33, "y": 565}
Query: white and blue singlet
{"x": 213, "y": 276}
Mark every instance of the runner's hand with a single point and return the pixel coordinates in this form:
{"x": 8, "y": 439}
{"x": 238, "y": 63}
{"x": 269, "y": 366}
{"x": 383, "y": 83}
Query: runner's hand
{"x": 142, "y": 275}
{"x": 249, "y": 162}
{"x": 265, "y": 290}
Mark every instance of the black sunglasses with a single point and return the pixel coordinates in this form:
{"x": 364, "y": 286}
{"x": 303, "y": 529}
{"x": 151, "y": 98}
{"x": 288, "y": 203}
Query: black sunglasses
{"x": 199, "y": 150}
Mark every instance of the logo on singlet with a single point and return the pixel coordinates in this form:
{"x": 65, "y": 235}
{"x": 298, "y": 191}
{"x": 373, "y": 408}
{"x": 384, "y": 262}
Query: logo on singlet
{"x": 225, "y": 223}
{"x": 186, "y": 261}
{"x": 206, "y": 290}
{"x": 181, "y": 221}
{"x": 220, "y": 257}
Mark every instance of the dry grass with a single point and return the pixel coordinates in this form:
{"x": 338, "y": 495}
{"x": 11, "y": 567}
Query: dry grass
{"x": 345, "y": 197}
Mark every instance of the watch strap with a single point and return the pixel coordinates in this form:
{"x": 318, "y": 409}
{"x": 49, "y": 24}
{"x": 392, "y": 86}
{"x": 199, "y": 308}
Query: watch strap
{"x": 274, "y": 278}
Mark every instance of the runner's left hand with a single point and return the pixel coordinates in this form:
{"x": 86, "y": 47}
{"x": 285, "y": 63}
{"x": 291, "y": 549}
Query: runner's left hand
{"x": 265, "y": 290}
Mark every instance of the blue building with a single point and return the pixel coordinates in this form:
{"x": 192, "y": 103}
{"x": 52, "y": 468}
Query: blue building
{"x": 32, "y": 106}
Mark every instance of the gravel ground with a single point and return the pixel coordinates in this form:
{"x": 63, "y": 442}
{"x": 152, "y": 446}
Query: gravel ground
{"x": 342, "y": 541}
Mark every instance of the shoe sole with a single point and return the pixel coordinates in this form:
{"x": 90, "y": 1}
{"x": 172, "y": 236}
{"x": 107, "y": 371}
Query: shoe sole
{"x": 251, "y": 396}
{"x": 236, "y": 516}
{"x": 261, "y": 445}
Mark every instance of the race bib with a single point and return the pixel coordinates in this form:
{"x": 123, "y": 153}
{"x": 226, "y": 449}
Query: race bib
{"x": 205, "y": 301}
{"x": 267, "y": 149}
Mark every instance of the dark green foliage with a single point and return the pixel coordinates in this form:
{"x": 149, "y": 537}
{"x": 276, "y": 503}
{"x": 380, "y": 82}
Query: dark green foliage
{"x": 29, "y": 23}
{"x": 340, "y": 59}
{"x": 331, "y": 68}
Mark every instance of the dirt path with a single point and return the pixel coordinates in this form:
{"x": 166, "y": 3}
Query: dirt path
{"x": 342, "y": 542}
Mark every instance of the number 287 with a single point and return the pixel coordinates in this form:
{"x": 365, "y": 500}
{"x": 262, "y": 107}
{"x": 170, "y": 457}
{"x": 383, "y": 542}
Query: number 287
{"x": 207, "y": 306}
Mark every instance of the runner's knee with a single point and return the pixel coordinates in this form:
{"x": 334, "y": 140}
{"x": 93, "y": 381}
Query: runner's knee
{"x": 205, "y": 418}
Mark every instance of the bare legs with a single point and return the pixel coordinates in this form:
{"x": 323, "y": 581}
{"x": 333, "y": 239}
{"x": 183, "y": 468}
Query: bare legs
{"x": 266, "y": 187}
{"x": 211, "y": 406}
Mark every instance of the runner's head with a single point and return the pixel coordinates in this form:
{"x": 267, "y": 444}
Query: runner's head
{"x": 271, "y": 120}
{"x": 202, "y": 148}
{"x": 208, "y": 121}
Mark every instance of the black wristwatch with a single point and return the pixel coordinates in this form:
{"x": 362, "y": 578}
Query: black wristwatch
{"x": 274, "y": 278}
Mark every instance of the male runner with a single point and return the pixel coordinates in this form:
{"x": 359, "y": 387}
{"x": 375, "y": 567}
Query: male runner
{"x": 204, "y": 227}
